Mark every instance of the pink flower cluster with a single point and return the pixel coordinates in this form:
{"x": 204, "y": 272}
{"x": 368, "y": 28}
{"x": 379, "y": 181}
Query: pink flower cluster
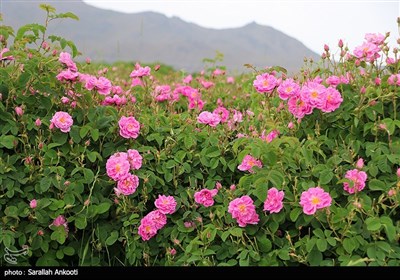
{"x": 314, "y": 95}
{"x": 270, "y": 136}
{"x": 302, "y": 100}
{"x": 129, "y": 127}
{"x": 193, "y": 96}
{"x": 118, "y": 166}
{"x": 71, "y": 73}
{"x": 205, "y": 197}
{"x": 265, "y": 83}
{"x": 61, "y": 120}
{"x": 66, "y": 59}
{"x": 394, "y": 79}
{"x": 151, "y": 223}
{"x": 314, "y": 199}
{"x": 157, "y": 219}
{"x": 61, "y": 221}
{"x": 102, "y": 85}
{"x": 33, "y": 203}
{"x": 140, "y": 71}
{"x": 163, "y": 93}
{"x": 222, "y": 112}
{"x": 248, "y": 162}
{"x": 369, "y": 50}
{"x": 165, "y": 204}
{"x": 273, "y": 203}
{"x": 4, "y": 58}
{"x": 212, "y": 119}
{"x": 244, "y": 211}
{"x": 358, "y": 179}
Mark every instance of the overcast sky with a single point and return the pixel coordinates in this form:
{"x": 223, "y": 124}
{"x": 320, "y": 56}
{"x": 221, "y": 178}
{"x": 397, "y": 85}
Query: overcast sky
{"x": 314, "y": 23}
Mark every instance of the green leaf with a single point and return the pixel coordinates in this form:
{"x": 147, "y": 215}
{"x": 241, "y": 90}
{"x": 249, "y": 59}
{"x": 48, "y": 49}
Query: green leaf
{"x": 261, "y": 191}
{"x": 91, "y": 156}
{"x": 264, "y": 244}
{"x": 168, "y": 177}
{"x": 322, "y": 245}
{"x": 236, "y": 232}
{"x": 59, "y": 234}
{"x": 80, "y": 221}
{"x": 188, "y": 141}
{"x": 95, "y": 134}
{"x": 7, "y": 141}
{"x": 276, "y": 178}
{"x": 348, "y": 245}
{"x": 331, "y": 241}
{"x": 179, "y": 156}
{"x": 47, "y": 259}
{"x": 325, "y": 176}
{"x": 294, "y": 214}
{"x": 284, "y": 254}
{"x": 47, "y": 8}
{"x": 170, "y": 164}
{"x": 273, "y": 226}
{"x": 373, "y": 223}
{"x": 11, "y": 211}
{"x": 88, "y": 175}
{"x": 390, "y": 231}
{"x": 225, "y": 235}
{"x": 67, "y": 15}
{"x": 37, "y": 241}
{"x": 319, "y": 233}
{"x": 60, "y": 254}
{"x": 112, "y": 238}
{"x": 84, "y": 131}
{"x": 212, "y": 152}
{"x": 315, "y": 258}
{"x": 377, "y": 185}
{"x": 103, "y": 207}
{"x": 60, "y": 138}
{"x": 310, "y": 244}
{"x": 69, "y": 251}
{"x": 45, "y": 184}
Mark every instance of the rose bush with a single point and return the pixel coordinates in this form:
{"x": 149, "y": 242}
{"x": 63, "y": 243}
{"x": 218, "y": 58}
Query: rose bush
{"x": 121, "y": 165}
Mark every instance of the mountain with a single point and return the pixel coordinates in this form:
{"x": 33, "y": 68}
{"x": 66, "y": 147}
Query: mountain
{"x": 147, "y": 37}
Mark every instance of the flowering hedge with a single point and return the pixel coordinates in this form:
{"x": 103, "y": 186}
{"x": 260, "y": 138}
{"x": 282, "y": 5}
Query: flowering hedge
{"x": 122, "y": 165}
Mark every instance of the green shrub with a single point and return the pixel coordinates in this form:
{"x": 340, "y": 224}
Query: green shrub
{"x": 65, "y": 172}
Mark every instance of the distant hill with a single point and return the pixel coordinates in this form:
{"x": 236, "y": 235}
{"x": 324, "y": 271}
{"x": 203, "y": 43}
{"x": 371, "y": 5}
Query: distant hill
{"x": 148, "y": 37}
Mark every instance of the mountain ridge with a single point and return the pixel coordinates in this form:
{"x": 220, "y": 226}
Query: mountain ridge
{"x": 147, "y": 37}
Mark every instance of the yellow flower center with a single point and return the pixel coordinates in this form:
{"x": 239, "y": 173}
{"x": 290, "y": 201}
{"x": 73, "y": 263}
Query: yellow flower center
{"x": 314, "y": 94}
{"x": 242, "y": 208}
{"x": 315, "y": 200}
{"x": 61, "y": 120}
{"x": 265, "y": 83}
{"x": 147, "y": 228}
{"x": 117, "y": 167}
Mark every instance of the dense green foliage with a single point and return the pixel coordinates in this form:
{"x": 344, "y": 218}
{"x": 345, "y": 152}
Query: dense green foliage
{"x": 66, "y": 172}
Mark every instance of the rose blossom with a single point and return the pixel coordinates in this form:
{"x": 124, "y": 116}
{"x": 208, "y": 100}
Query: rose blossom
{"x": 244, "y": 211}
{"x": 248, "y": 162}
{"x": 273, "y": 203}
{"x": 314, "y": 199}
{"x": 205, "y": 197}
{"x": 118, "y": 166}
{"x": 166, "y": 204}
{"x": 127, "y": 185}
{"x": 129, "y": 127}
{"x": 358, "y": 178}
{"x": 62, "y": 120}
